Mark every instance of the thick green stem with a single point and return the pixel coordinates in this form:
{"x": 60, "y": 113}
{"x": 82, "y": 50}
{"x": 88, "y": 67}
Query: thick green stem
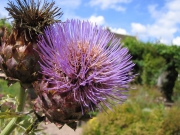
{"x": 13, "y": 123}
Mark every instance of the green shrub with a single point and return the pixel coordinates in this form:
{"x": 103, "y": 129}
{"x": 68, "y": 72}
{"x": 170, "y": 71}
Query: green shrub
{"x": 171, "y": 122}
{"x": 146, "y": 96}
{"x": 5, "y": 23}
{"x": 127, "y": 119}
{"x": 152, "y": 69}
{"x": 141, "y": 114}
{"x": 12, "y": 90}
{"x": 151, "y": 59}
{"x": 176, "y": 94}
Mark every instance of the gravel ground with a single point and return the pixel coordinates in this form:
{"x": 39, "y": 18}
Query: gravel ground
{"x": 51, "y": 129}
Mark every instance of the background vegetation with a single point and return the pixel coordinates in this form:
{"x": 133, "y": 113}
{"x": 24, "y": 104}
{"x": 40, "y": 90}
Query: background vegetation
{"x": 147, "y": 110}
{"x": 4, "y": 23}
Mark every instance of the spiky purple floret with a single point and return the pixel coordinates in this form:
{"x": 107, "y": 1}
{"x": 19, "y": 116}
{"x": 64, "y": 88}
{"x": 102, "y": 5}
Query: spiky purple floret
{"x": 85, "y": 59}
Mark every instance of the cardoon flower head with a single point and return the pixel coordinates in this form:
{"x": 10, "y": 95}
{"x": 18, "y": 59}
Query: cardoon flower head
{"x": 83, "y": 67}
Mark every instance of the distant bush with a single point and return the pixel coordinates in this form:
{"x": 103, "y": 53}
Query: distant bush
{"x": 171, "y": 122}
{"x": 127, "y": 119}
{"x": 154, "y": 56}
{"x": 152, "y": 69}
{"x": 142, "y": 114}
{"x": 152, "y": 60}
{"x": 130, "y": 119}
{"x": 13, "y": 90}
{"x": 5, "y": 23}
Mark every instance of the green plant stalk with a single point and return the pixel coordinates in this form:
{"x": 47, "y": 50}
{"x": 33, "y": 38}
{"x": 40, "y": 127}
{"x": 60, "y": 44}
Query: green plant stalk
{"x": 13, "y": 123}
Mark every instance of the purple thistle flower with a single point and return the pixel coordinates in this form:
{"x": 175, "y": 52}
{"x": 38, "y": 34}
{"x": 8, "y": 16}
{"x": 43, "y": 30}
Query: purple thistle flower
{"x": 85, "y": 60}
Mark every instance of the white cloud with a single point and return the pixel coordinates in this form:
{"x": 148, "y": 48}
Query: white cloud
{"x": 164, "y": 41}
{"x": 69, "y": 3}
{"x": 113, "y": 4}
{"x": 154, "y": 13}
{"x": 119, "y": 30}
{"x": 166, "y": 22}
{"x": 174, "y": 4}
{"x": 68, "y": 8}
{"x": 99, "y": 20}
{"x": 176, "y": 41}
{"x": 138, "y": 28}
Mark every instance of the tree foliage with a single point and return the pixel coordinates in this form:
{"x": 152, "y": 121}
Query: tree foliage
{"x": 152, "y": 58}
{"x": 5, "y": 23}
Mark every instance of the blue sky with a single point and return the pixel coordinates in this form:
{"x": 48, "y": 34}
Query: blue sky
{"x": 149, "y": 20}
